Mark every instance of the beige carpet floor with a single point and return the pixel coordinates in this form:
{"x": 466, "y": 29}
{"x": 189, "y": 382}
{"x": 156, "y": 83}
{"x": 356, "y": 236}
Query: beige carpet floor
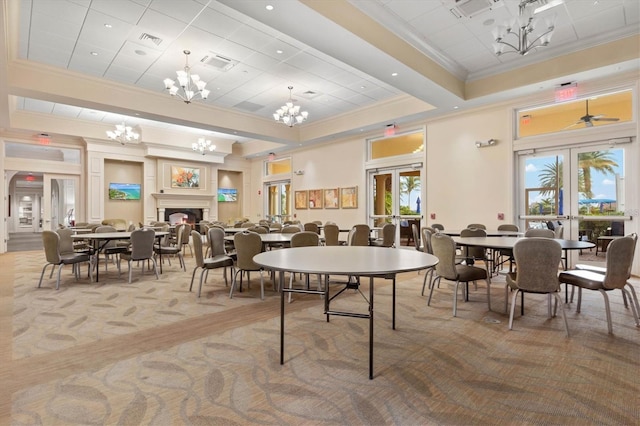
{"x": 150, "y": 352}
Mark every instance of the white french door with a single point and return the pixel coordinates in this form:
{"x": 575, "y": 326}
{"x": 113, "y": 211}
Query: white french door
{"x": 394, "y": 196}
{"x": 581, "y": 188}
{"x": 60, "y": 193}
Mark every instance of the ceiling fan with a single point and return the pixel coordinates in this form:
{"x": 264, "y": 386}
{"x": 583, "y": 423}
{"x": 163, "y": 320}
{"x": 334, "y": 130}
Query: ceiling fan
{"x": 588, "y": 119}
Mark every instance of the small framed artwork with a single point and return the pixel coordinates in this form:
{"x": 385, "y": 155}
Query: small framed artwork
{"x": 315, "y": 198}
{"x": 349, "y": 197}
{"x": 331, "y": 198}
{"x": 301, "y": 199}
{"x": 185, "y": 177}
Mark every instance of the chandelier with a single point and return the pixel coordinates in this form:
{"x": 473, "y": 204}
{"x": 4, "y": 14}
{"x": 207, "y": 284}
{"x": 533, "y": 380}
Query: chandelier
{"x": 520, "y": 31}
{"x": 190, "y": 84}
{"x": 289, "y": 114}
{"x": 203, "y": 145}
{"x": 123, "y": 134}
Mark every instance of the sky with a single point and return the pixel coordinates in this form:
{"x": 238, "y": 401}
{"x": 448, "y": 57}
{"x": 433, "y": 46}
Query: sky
{"x": 603, "y": 187}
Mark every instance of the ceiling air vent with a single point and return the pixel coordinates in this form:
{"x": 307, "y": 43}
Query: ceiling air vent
{"x": 218, "y": 62}
{"x": 471, "y": 8}
{"x": 153, "y": 39}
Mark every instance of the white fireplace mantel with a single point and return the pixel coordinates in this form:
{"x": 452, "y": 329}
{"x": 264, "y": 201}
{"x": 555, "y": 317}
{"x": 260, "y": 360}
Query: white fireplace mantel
{"x": 186, "y": 201}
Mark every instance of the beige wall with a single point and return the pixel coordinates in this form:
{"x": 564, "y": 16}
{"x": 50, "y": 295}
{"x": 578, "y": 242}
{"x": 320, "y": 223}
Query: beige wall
{"x": 123, "y": 172}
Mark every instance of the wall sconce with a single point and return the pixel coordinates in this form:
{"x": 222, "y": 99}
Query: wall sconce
{"x": 298, "y": 172}
{"x": 490, "y": 142}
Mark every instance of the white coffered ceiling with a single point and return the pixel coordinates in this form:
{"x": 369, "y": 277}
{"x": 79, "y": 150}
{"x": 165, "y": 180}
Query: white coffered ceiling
{"x": 339, "y": 55}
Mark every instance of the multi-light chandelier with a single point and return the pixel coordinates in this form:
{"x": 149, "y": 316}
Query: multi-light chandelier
{"x": 189, "y": 85}
{"x": 289, "y": 114}
{"x": 123, "y": 134}
{"x": 520, "y": 31}
{"x": 203, "y": 145}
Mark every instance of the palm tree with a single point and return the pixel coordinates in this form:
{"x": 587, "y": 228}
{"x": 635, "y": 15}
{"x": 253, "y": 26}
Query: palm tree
{"x": 408, "y": 184}
{"x": 600, "y": 161}
{"x": 551, "y": 178}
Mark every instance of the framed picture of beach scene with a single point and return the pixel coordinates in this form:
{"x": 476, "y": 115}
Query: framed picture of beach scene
{"x": 315, "y": 198}
{"x": 349, "y": 197}
{"x": 301, "y": 198}
{"x": 331, "y": 198}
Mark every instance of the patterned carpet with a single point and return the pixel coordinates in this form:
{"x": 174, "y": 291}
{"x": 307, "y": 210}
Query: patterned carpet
{"x": 151, "y": 353}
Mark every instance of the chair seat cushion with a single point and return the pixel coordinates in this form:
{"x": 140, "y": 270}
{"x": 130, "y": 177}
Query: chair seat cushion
{"x": 218, "y": 261}
{"x": 584, "y": 279}
{"x": 470, "y": 273}
{"x": 598, "y": 269}
{"x": 68, "y": 258}
{"x": 167, "y": 250}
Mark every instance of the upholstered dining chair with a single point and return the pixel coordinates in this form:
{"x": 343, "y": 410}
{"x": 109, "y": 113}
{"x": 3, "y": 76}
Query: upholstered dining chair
{"x": 167, "y": 249}
{"x": 51, "y": 244}
{"x": 444, "y": 248}
{"x": 311, "y": 226}
{"x": 427, "y": 233}
{"x": 540, "y": 233}
{"x": 111, "y": 249}
{"x": 537, "y": 259}
{"x": 504, "y": 255}
{"x": 331, "y": 234}
{"x": 304, "y": 239}
{"x": 438, "y": 226}
{"x": 141, "y": 249}
{"x": 359, "y": 235}
{"x": 415, "y": 232}
{"x": 471, "y": 254}
{"x": 477, "y": 226}
{"x": 620, "y": 254}
{"x": 217, "y": 260}
{"x": 603, "y": 270}
{"x": 388, "y": 236}
{"x": 247, "y": 244}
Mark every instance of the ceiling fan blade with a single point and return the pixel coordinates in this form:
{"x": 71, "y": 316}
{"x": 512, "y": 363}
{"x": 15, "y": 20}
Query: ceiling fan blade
{"x": 605, "y": 119}
{"x": 588, "y": 123}
{"x": 574, "y": 124}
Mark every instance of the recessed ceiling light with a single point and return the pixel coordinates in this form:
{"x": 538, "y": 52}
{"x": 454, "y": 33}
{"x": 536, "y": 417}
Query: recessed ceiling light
{"x": 108, "y": 26}
{"x": 269, "y": 7}
{"x": 394, "y": 74}
{"x": 363, "y": 87}
{"x": 94, "y": 53}
{"x": 456, "y": 107}
{"x": 140, "y": 52}
{"x": 279, "y": 52}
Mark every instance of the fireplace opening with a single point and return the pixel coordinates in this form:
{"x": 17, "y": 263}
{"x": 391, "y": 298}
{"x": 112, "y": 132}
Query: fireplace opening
{"x": 190, "y": 216}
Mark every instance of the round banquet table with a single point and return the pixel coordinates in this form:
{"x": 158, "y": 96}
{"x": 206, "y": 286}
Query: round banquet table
{"x": 358, "y": 261}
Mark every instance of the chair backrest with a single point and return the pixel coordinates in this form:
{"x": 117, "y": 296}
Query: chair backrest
{"x": 619, "y": 259}
{"x": 142, "y": 243}
{"x": 540, "y": 233}
{"x": 426, "y": 240}
{"x": 166, "y": 240}
{"x": 444, "y": 248}
{"x": 359, "y": 235}
{"x": 216, "y": 241}
{"x": 198, "y": 251}
{"x": 475, "y": 252}
{"x": 186, "y": 233}
{"x": 476, "y": 226}
{"x": 311, "y": 226}
{"x": 51, "y": 244}
{"x": 537, "y": 259}
{"x": 388, "y": 234}
{"x": 438, "y": 226}
{"x": 258, "y": 229}
{"x": 508, "y": 227}
{"x": 416, "y": 235}
{"x": 275, "y": 227}
{"x": 66, "y": 242}
{"x": 131, "y": 227}
{"x": 305, "y": 239}
{"x": 558, "y": 232}
{"x": 290, "y": 229}
{"x": 331, "y": 234}
{"x": 247, "y": 244}
{"x": 247, "y": 225}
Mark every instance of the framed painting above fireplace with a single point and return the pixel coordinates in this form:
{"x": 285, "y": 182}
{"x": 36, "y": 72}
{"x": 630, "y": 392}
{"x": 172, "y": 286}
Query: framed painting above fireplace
{"x": 185, "y": 177}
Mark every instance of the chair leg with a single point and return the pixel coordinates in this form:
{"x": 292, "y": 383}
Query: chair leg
{"x": 59, "y": 272}
{"x": 433, "y": 285}
{"x": 634, "y": 297}
{"x": 488, "y": 294}
{"x": 201, "y": 281}
{"x": 234, "y": 281}
{"x": 155, "y": 268}
{"x": 455, "y": 297}
{"x": 42, "y": 274}
{"x": 634, "y": 309}
{"x": 564, "y": 315}
{"x": 608, "y": 310}
{"x": 514, "y": 298}
{"x": 192, "y": 277}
